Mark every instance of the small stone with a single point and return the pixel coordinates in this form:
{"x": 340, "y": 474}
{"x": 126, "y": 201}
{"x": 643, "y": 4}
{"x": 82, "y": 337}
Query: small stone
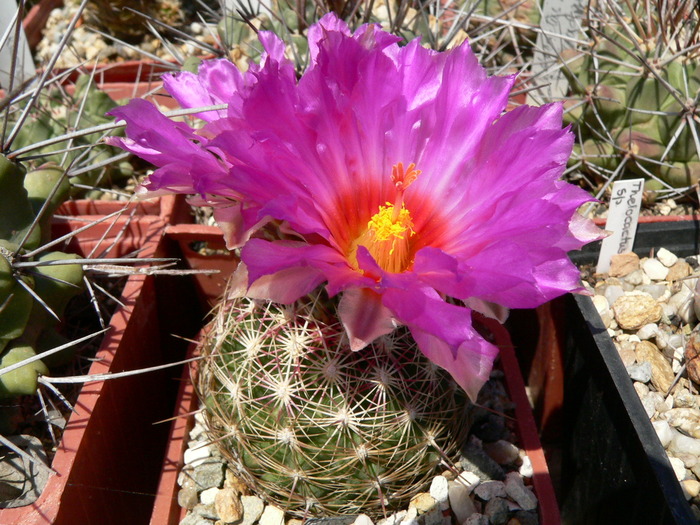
{"x": 252, "y": 509}
{"x": 205, "y": 511}
{"x": 468, "y": 479}
{"x": 691, "y": 488}
{"x": 640, "y": 372}
{"x": 460, "y": 502}
{"x": 496, "y": 510}
{"x": 657, "y": 291}
{"x": 526, "y": 470}
{"x": 411, "y": 517}
{"x": 209, "y": 474}
{"x": 294, "y": 521}
{"x": 363, "y": 519}
{"x": 692, "y": 357}
{"x": 648, "y": 331}
{"x": 687, "y": 420}
{"x": 228, "y": 505}
{"x": 627, "y": 354}
{"x": 502, "y": 452}
{"x": 234, "y": 482}
{"x": 684, "y": 399}
{"x": 194, "y": 519}
{"x": 666, "y": 257}
{"x": 641, "y": 389}
{"x": 196, "y": 456}
{"x": 661, "y": 372}
{"x": 433, "y": 517}
{"x": 487, "y": 490}
{"x": 634, "y": 311}
{"x": 208, "y": 496}
{"x": 272, "y": 516}
{"x": 681, "y": 444}
{"x": 636, "y": 277}
{"x": 655, "y": 269}
{"x": 524, "y": 517}
{"x": 394, "y": 519}
{"x": 688, "y": 460}
{"x": 678, "y": 468}
{"x": 475, "y": 460}
{"x": 678, "y": 271}
{"x": 422, "y": 502}
{"x": 664, "y": 432}
{"x": 187, "y": 498}
{"x": 477, "y": 519}
{"x": 683, "y": 301}
{"x": 517, "y": 491}
{"x": 612, "y": 292}
{"x": 622, "y": 264}
{"x": 439, "y": 490}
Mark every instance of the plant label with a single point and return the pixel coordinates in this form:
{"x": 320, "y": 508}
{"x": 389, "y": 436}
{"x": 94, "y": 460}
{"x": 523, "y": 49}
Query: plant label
{"x": 623, "y": 216}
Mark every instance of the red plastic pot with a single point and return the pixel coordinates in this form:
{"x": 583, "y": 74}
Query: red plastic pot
{"x": 166, "y": 510}
{"x": 108, "y": 462}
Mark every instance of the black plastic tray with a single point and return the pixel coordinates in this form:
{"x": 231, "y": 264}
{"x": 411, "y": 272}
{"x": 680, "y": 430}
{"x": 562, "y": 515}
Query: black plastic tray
{"x": 614, "y": 469}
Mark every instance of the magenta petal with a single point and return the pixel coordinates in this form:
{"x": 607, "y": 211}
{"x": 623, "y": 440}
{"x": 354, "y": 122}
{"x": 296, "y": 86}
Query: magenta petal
{"x": 470, "y": 367}
{"x": 444, "y": 334}
{"x": 364, "y": 317}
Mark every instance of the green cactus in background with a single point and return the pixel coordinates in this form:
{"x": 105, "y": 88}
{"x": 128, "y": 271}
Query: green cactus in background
{"x": 32, "y": 300}
{"x": 636, "y": 91}
{"x": 58, "y": 114}
{"x": 315, "y": 427}
{"x": 124, "y": 20}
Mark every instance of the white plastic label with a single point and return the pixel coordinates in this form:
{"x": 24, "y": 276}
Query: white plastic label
{"x": 623, "y": 216}
{"x": 560, "y": 25}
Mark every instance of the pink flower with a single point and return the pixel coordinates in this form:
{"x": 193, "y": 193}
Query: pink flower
{"x": 397, "y": 171}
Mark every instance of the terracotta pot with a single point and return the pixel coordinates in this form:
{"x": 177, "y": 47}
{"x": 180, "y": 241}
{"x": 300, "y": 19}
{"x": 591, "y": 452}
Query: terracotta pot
{"x": 108, "y": 461}
{"x": 166, "y": 509}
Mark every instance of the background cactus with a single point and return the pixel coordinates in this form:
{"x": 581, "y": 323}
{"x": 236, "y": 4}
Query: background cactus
{"x": 32, "y": 299}
{"x": 636, "y": 89}
{"x": 57, "y": 113}
{"x": 315, "y": 427}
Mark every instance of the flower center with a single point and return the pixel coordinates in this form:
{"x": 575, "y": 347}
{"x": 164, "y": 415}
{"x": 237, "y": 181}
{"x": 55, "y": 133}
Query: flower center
{"x": 389, "y": 230}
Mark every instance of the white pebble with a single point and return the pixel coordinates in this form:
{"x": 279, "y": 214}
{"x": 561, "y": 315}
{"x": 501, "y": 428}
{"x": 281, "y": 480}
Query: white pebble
{"x": 666, "y": 258}
{"x": 196, "y": 456}
{"x": 654, "y": 270}
{"x": 664, "y": 431}
{"x": 469, "y": 479}
{"x": 460, "y": 502}
{"x": 411, "y": 517}
{"x": 440, "y": 491}
{"x": 272, "y": 516}
{"x": 526, "y": 469}
{"x": 208, "y": 496}
{"x": 678, "y": 468}
{"x": 648, "y": 331}
{"x": 363, "y": 519}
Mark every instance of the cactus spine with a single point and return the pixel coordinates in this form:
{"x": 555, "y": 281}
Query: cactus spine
{"x": 316, "y": 428}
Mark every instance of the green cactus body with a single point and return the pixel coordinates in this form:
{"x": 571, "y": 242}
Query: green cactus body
{"x": 22, "y": 381}
{"x": 40, "y": 184}
{"x": 317, "y": 428}
{"x": 16, "y": 215}
{"x": 639, "y": 85}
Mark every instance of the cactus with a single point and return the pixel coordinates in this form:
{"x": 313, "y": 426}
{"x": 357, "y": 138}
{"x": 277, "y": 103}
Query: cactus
{"x": 58, "y": 114}
{"x": 31, "y": 301}
{"x": 635, "y": 90}
{"x": 124, "y": 20}
{"x": 314, "y": 427}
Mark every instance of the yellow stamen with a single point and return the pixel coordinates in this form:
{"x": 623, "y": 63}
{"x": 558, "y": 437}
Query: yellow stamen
{"x": 388, "y": 232}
